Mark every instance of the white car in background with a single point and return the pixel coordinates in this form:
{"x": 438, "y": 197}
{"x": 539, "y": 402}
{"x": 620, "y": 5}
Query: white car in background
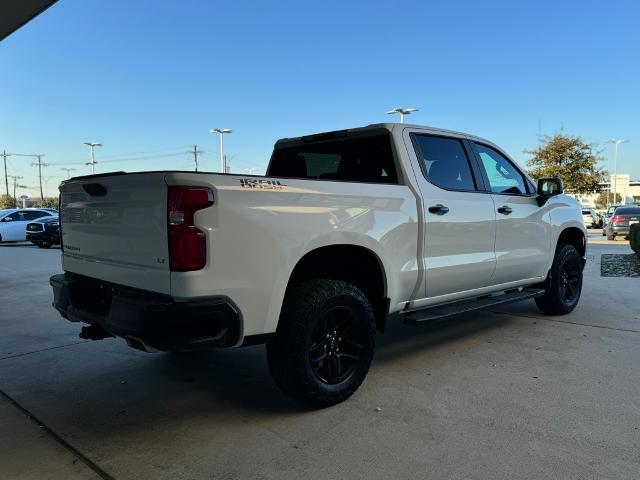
{"x": 590, "y": 218}
{"x": 13, "y": 222}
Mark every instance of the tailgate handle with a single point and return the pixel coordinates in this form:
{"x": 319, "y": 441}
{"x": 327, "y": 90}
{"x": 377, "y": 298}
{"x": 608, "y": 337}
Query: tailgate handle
{"x": 95, "y": 189}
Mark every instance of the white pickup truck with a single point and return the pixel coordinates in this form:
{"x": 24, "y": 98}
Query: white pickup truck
{"x": 346, "y": 230}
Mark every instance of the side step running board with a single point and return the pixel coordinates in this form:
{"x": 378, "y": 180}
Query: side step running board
{"x": 450, "y": 309}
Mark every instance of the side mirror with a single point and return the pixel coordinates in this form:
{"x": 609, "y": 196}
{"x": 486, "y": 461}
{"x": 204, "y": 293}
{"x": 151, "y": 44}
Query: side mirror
{"x": 548, "y": 187}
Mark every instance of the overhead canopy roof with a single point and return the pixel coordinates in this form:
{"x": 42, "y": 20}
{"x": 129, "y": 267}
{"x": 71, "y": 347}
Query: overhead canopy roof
{"x": 15, "y": 13}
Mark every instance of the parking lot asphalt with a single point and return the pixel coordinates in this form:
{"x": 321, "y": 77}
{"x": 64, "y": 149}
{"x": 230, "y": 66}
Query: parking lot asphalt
{"x": 505, "y": 394}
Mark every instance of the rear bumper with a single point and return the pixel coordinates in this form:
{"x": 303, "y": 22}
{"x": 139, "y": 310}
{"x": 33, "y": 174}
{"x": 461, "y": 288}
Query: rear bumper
{"x": 147, "y": 320}
{"x": 622, "y": 230}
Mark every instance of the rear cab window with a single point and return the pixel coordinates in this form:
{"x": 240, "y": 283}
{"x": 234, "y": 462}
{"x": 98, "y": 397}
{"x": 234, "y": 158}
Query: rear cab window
{"x": 338, "y": 156}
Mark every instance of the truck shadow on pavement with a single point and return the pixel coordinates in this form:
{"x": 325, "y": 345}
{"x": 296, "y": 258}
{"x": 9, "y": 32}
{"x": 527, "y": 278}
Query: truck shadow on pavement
{"x": 241, "y": 377}
{"x": 111, "y": 392}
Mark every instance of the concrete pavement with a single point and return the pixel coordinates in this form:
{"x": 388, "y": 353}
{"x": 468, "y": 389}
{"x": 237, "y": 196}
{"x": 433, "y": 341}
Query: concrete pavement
{"x": 507, "y": 394}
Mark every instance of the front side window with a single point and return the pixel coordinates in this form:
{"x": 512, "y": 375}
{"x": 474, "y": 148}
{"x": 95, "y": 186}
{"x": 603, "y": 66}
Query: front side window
{"x": 445, "y": 162}
{"x": 503, "y": 176}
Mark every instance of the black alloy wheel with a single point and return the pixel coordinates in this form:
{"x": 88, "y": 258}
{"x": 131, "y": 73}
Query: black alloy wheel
{"x": 324, "y": 343}
{"x": 564, "y": 282}
{"x": 336, "y": 345}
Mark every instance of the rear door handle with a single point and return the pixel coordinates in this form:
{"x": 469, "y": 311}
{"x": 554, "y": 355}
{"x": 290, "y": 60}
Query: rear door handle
{"x": 438, "y": 209}
{"x": 505, "y": 210}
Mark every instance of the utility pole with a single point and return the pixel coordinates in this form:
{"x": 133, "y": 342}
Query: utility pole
{"x": 195, "y": 152}
{"x": 6, "y": 179}
{"x": 15, "y": 187}
{"x": 68, "y": 170}
{"x": 39, "y": 164}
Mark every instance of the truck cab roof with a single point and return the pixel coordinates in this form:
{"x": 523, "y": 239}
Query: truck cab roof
{"x": 389, "y": 126}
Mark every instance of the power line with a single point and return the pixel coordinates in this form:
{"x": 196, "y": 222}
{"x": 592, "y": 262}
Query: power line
{"x": 131, "y": 159}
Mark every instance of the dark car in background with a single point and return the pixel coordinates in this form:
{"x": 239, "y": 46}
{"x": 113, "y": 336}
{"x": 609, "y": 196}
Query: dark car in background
{"x": 607, "y": 216}
{"x": 45, "y": 232}
{"x": 621, "y": 221}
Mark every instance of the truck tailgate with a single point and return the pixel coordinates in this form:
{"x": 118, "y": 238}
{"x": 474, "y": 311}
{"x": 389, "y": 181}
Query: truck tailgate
{"x": 114, "y": 228}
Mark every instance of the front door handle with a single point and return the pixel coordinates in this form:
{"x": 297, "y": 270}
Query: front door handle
{"x": 505, "y": 210}
{"x": 438, "y": 209}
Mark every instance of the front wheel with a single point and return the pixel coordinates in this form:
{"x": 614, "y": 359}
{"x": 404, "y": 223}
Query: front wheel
{"x": 564, "y": 283}
{"x": 324, "y": 343}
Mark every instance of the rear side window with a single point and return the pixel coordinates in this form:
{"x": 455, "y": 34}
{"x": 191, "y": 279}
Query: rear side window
{"x": 503, "y": 176}
{"x": 356, "y": 159}
{"x": 29, "y": 215}
{"x": 444, "y": 162}
{"x": 627, "y": 211}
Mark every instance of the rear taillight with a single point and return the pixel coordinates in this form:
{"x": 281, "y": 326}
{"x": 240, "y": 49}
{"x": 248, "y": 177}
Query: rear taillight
{"x": 616, "y": 219}
{"x": 187, "y": 244}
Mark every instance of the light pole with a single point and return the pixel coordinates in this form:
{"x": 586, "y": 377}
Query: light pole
{"x": 221, "y": 132}
{"x": 402, "y": 112}
{"x": 68, "y": 170}
{"x": 93, "y": 162}
{"x": 615, "y": 142}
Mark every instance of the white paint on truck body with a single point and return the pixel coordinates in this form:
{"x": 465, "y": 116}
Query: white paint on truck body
{"x": 259, "y": 228}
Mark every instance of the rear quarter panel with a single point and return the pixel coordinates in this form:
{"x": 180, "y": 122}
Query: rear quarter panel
{"x": 257, "y": 233}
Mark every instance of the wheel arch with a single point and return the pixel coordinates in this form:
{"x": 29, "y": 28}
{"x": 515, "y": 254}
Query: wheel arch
{"x": 354, "y": 264}
{"x": 576, "y": 237}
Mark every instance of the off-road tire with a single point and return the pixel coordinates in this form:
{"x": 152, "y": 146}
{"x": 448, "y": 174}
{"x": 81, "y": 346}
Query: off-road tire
{"x": 305, "y": 307}
{"x": 556, "y": 301}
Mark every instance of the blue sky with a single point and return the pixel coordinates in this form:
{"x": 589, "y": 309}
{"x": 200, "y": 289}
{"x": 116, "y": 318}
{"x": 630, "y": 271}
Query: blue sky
{"x": 149, "y": 79}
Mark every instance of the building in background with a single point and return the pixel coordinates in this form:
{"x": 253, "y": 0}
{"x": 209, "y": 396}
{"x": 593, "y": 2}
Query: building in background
{"x": 628, "y": 189}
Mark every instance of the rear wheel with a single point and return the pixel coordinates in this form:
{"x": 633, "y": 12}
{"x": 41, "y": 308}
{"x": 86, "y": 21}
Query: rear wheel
{"x": 611, "y": 236}
{"x": 324, "y": 343}
{"x": 46, "y": 244}
{"x": 564, "y": 283}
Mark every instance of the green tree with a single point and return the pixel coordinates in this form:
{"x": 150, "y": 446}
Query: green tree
{"x": 7, "y": 201}
{"x": 48, "y": 202}
{"x": 601, "y": 200}
{"x": 570, "y": 159}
